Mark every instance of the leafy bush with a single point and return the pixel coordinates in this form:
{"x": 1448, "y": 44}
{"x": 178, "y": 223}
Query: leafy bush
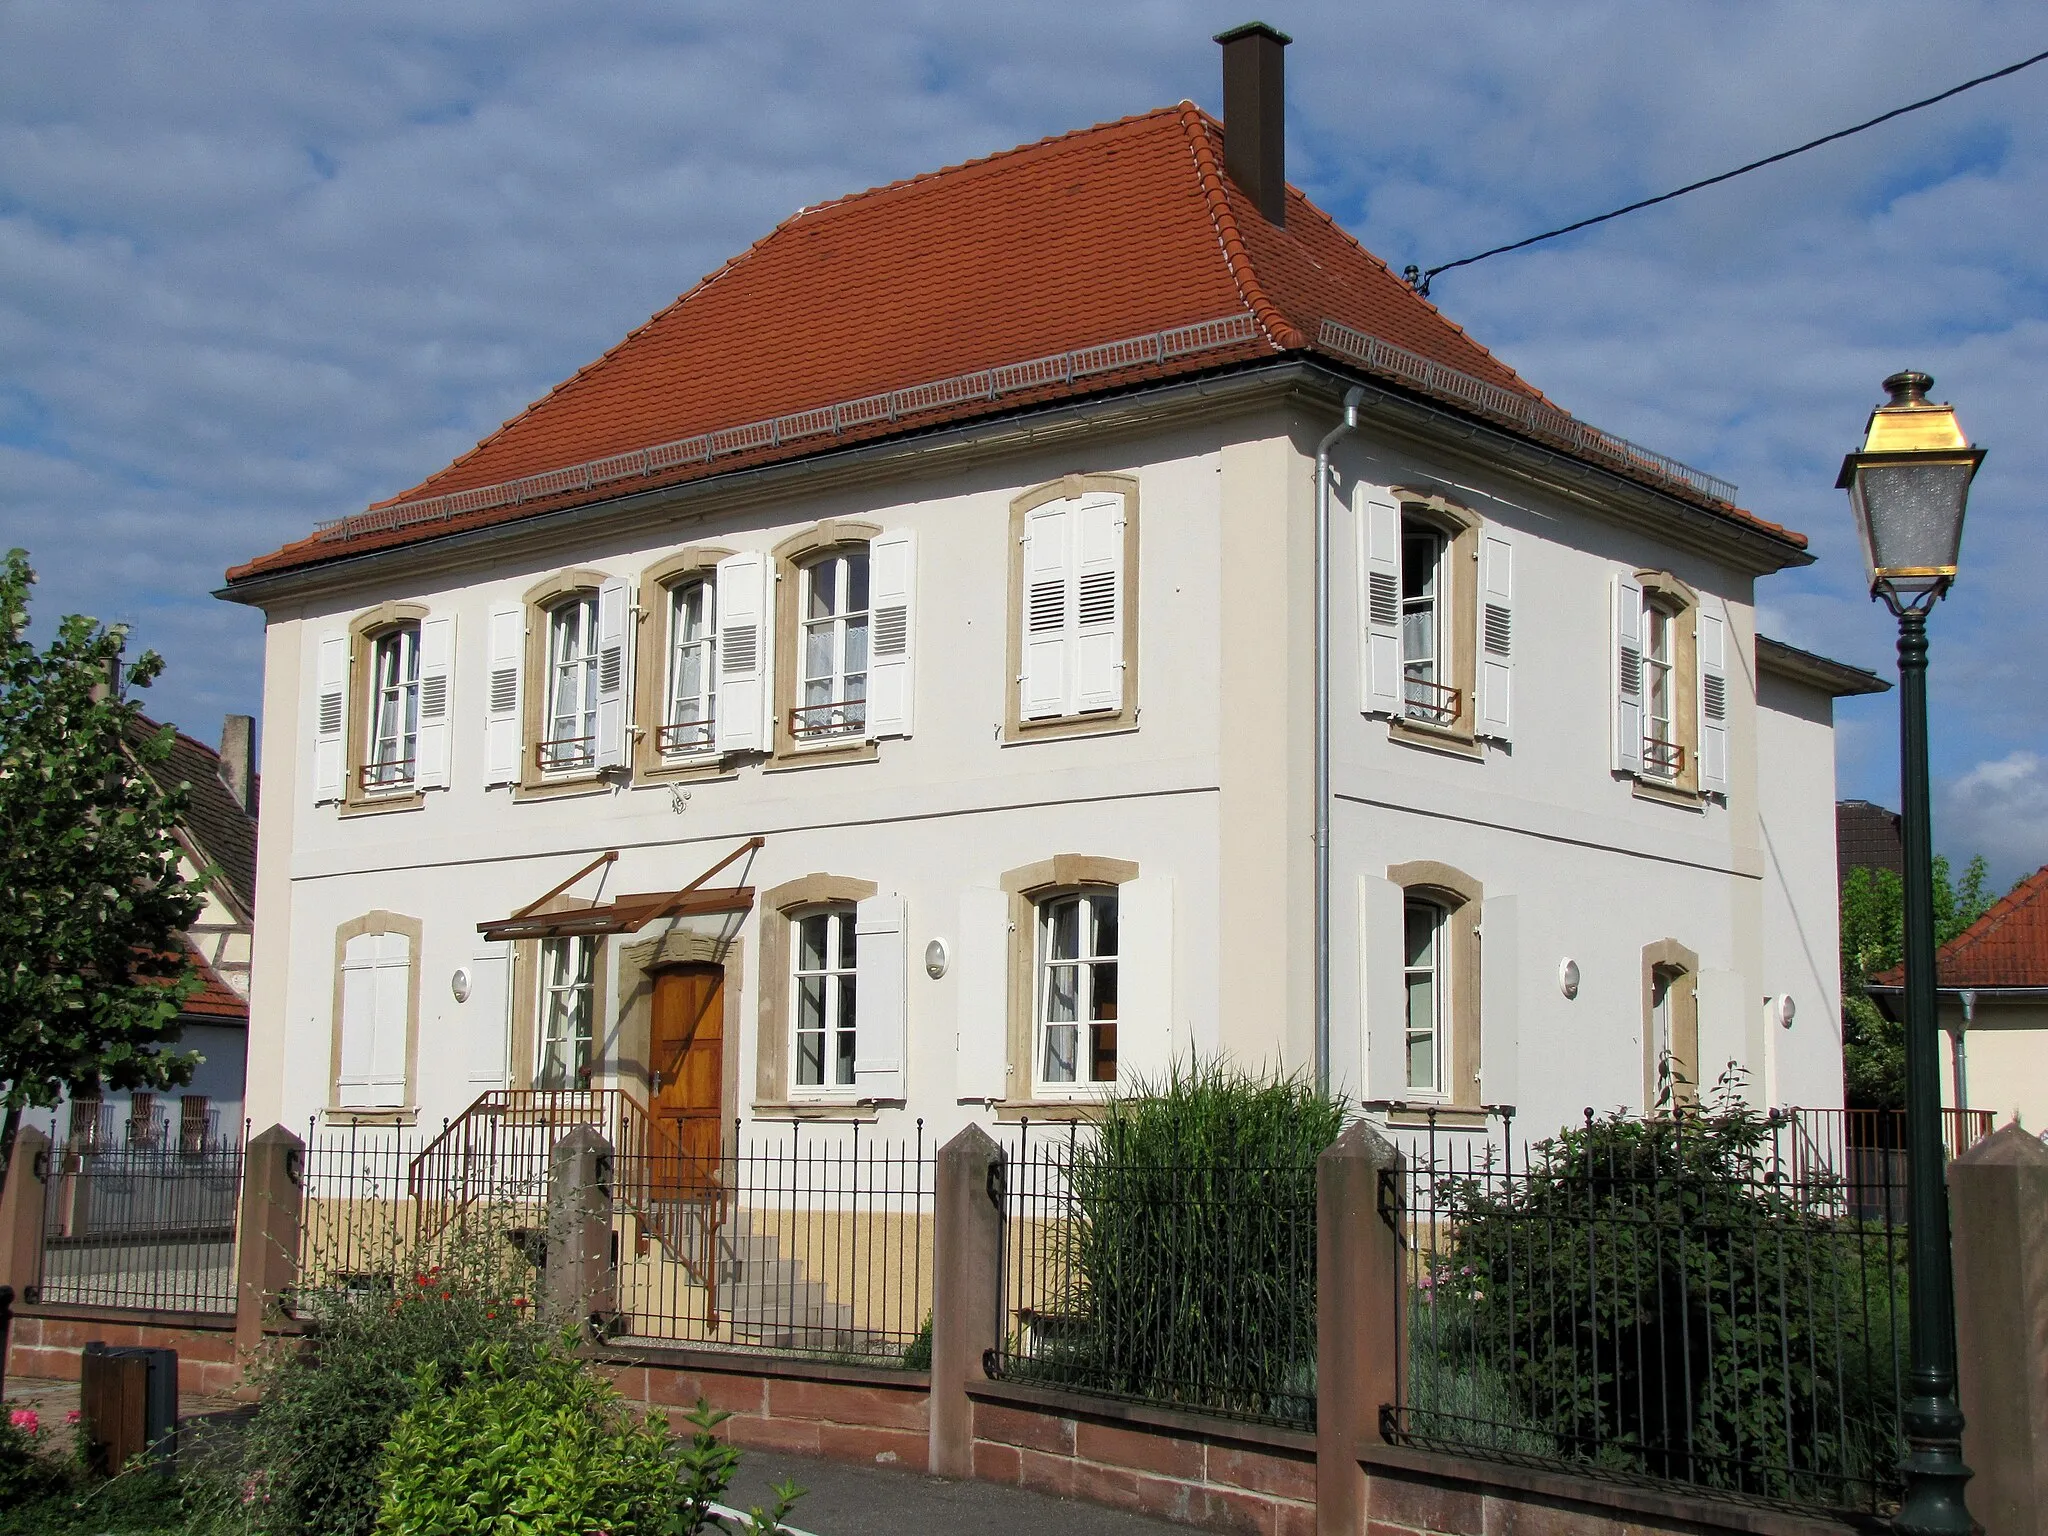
{"x": 1191, "y": 1246}
{"x": 1658, "y": 1299}
{"x": 313, "y": 1446}
{"x": 29, "y": 1467}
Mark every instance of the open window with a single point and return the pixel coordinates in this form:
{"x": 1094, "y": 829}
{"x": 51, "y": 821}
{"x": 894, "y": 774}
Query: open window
{"x": 382, "y": 708}
{"x": 1437, "y": 634}
{"x": 844, "y": 627}
{"x": 1670, "y": 686}
{"x": 557, "y": 712}
{"x": 565, "y": 1030}
{"x": 832, "y": 649}
{"x": 1075, "y": 1014}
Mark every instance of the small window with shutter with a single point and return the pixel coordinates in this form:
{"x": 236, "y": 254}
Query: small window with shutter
{"x": 1072, "y": 605}
{"x": 375, "y": 1021}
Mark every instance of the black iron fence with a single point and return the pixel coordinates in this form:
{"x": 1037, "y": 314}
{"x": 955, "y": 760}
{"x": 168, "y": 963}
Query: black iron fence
{"x": 1670, "y": 1300}
{"x": 142, "y": 1225}
{"x": 1193, "y": 1286}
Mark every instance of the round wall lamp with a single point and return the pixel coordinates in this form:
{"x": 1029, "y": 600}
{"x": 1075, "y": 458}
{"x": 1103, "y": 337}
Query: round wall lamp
{"x": 935, "y": 959}
{"x": 1784, "y": 1010}
{"x": 459, "y": 983}
{"x": 1568, "y": 978}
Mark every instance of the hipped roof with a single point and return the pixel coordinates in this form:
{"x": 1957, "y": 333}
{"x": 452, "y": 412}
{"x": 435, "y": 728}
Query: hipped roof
{"x": 2006, "y": 947}
{"x": 1127, "y": 238}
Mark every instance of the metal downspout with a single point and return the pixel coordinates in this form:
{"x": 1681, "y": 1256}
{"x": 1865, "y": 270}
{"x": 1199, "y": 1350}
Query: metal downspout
{"x": 1352, "y": 397}
{"x": 1959, "y": 1058}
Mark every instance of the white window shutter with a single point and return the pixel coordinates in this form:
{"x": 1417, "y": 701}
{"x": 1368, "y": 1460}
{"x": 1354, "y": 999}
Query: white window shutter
{"x": 1144, "y": 1025}
{"x": 614, "y": 610}
{"x": 387, "y": 1056}
{"x": 1382, "y": 992}
{"x": 1496, "y": 637}
{"x": 437, "y": 680}
{"x": 743, "y": 641}
{"x": 330, "y": 718}
{"x": 892, "y": 588}
{"x": 1713, "y": 648}
{"x": 358, "y": 1021}
{"x": 488, "y": 1014}
{"x": 980, "y": 971}
{"x": 1380, "y": 604}
{"x": 1099, "y": 605}
{"x": 1045, "y": 688}
{"x": 507, "y": 657}
{"x": 1627, "y": 677}
{"x": 1500, "y": 973}
{"x": 882, "y": 990}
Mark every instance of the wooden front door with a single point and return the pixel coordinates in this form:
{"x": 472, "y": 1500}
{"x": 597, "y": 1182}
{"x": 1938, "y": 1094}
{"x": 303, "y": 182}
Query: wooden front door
{"x": 687, "y": 1057}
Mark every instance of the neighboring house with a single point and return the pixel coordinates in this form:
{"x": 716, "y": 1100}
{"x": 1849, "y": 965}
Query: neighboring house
{"x": 218, "y": 832}
{"x": 1992, "y": 997}
{"x": 957, "y": 540}
{"x": 1868, "y": 837}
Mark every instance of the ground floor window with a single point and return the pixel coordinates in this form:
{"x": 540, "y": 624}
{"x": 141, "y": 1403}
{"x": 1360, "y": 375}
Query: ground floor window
{"x": 1423, "y": 957}
{"x": 568, "y": 969}
{"x": 1077, "y": 988}
{"x": 824, "y": 952}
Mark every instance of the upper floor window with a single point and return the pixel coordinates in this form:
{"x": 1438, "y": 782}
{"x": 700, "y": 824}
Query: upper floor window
{"x": 570, "y": 724}
{"x": 689, "y": 720}
{"x": 1437, "y": 597}
{"x": 1072, "y": 606}
{"x": 568, "y": 995}
{"x": 1423, "y": 943}
{"x": 1663, "y": 753}
{"x": 1425, "y": 693}
{"x": 833, "y": 692}
{"x": 1670, "y": 685}
{"x": 1077, "y": 988}
{"x": 825, "y": 954}
{"x": 394, "y": 709}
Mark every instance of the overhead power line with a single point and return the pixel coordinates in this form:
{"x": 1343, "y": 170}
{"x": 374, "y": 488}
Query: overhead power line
{"x": 1420, "y": 280}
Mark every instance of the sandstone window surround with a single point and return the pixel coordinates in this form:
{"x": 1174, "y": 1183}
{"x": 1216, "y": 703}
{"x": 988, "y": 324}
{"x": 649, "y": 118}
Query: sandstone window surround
{"x": 782, "y": 908}
{"x": 676, "y": 689}
{"x": 1452, "y": 903}
{"x": 1669, "y": 682}
{"x": 1671, "y": 1026}
{"x": 1072, "y": 646}
{"x": 555, "y": 711}
{"x": 383, "y": 708}
{"x": 374, "y": 1052}
{"x": 844, "y": 624}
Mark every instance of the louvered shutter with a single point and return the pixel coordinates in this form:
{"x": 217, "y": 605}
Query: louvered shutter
{"x": 981, "y": 996}
{"x": 437, "y": 678}
{"x": 1496, "y": 637}
{"x": 743, "y": 653}
{"x": 1627, "y": 679}
{"x": 892, "y": 588}
{"x": 1500, "y": 981}
{"x": 881, "y": 987}
{"x": 1045, "y": 685}
{"x": 1380, "y": 633}
{"x": 1382, "y": 991}
{"x": 614, "y": 609}
{"x": 507, "y": 655}
{"x": 488, "y": 1015}
{"x": 1099, "y": 605}
{"x": 1144, "y": 1025}
{"x": 330, "y": 718}
{"x": 1713, "y": 648}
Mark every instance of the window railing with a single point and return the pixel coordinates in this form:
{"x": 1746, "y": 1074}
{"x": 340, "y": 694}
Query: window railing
{"x": 1431, "y": 703}
{"x": 1663, "y": 758}
{"x": 564, "y": 753}
{"x": 687, "y": 736}
{"x": 394, "y": 773}
{"x": 842, "y": 717}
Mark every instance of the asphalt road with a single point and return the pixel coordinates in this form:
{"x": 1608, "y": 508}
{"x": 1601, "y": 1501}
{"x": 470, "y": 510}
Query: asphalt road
{"x": 870, "y": 1501}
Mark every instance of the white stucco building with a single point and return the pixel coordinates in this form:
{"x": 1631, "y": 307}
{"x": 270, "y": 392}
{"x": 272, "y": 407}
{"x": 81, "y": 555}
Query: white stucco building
{"x": 957, "y": 541}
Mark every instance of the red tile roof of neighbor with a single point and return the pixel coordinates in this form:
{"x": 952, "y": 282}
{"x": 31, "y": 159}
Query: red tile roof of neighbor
{"x": 1113, "y": 233}
{"x": 2006, "y": 947}
{"x": 215, "y": 999}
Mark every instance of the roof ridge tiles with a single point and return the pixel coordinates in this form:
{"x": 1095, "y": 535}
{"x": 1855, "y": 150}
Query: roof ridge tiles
{"x": 2011, "y": 905}
{"x": 1230, "y": 241}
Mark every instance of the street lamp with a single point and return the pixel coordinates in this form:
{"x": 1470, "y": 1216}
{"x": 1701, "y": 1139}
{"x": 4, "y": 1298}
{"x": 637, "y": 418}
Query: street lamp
{"x": 1907, "y": 489}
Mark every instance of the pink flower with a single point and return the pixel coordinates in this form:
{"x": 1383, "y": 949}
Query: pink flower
{"x": 74, "y": 1417}
{"x": 25, "y": 1420}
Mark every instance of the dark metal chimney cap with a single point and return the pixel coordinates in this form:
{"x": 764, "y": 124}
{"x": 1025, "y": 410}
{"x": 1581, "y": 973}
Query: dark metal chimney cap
{"x": 1255, "y": 116}
{"x": 1254, "y": 29}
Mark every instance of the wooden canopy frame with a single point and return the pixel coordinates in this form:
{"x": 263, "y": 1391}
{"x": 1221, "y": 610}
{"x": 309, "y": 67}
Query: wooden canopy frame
{"x": 626, "y": 914}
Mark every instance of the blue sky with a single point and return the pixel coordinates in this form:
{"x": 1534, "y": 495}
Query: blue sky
{"x": 262, "y": 263}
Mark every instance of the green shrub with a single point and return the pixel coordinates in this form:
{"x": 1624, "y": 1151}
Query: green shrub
{"x": 917, "y": 1354}
{"x": 1191, "y": 1249}
{"x": 29, "y": 1467}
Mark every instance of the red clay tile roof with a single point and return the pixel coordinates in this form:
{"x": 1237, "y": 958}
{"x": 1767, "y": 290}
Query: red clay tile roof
{"x": 1113, "y": 233}
{"x": 2006, "y": 947}
{"x": 215, "y": 1000}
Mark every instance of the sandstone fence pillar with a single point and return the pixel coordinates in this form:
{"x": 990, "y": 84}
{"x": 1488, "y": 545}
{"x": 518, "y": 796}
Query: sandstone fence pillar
{"x": 1998, "y": 1212}
{"x": 267, "y": 1232}
{"x": 579, "y": 1280}
{"x": 967, "y": 1302}
{"x": 1360, "y": 1301}
{"x": 21, "y": 1214}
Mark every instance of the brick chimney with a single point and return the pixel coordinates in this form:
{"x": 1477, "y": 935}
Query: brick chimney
{"x": 237, "y": 745}
{"x": 1254, "y": 115}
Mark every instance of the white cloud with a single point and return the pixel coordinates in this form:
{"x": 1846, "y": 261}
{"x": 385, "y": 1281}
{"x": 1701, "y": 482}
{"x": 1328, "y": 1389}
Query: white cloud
{"x": 1999, "y": 809}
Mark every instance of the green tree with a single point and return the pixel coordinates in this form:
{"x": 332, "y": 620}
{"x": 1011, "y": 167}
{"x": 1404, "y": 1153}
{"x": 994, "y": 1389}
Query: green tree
{"x": 1874, "y": 940}
{"x": 93, "y": 964}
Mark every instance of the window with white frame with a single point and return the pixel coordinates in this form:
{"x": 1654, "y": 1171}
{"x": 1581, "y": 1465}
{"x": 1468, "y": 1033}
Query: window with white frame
{"x": 689, "y": 720}
{"x": 833, "y": 683}
{"x": 1077, "y": 988}
{"x": 570, "y": 739}
{"x": 1425, "y": 694}
{"x": 394, "y": 709}
{"x": 568, "y": 999}
{"x": 1663, "y": 755}
{"x": 824, "y": 954}
{"x": 1423, "y": 977}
